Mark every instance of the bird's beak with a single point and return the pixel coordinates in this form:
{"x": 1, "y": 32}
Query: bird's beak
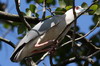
{"x": 87, "y": 12}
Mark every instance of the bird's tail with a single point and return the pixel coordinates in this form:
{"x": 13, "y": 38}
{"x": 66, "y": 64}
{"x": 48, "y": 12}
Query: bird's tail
{"x": 16, "y": 56}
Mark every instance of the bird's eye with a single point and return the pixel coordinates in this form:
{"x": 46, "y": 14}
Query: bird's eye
{"x": 77, "y": 8}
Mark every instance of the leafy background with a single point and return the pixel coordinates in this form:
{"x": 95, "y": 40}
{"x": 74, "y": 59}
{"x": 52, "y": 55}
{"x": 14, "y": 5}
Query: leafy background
{"x": 15, "y": 31}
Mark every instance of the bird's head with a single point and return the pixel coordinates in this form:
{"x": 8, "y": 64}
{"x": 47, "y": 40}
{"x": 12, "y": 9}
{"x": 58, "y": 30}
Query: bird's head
{"x": 78, "y": 10}
{"x": 70, "y": 16}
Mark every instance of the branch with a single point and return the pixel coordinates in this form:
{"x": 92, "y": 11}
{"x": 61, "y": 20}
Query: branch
{"x": 91, "y": 55}
{"x": 73, "y": 37}
{"x": 16, "y": 18}
{"x": 42, "y": 58}
{"x": 83, "y": 36}
{"x": 44, "y": 9}
{"x": 73, "y": 21}
{"x": 50, "y": 59}
{"x": 49, "y": 9}
{"x": 80, "y": 58}
{"x": 75, "y": 59}
{"x": 94, "y": 53}
{"x": 96, "y": 34}
{"x": 30, "y": 62}
{"x": 21, "y": 15}
{"x": 8, "y": 42}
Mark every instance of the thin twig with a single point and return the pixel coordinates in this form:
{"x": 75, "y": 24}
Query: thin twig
{"x": 82, "y": 36}
{"x": 49, "y": 9}
{"x": 16, "y": 18}
{"x": 85, "y": 10}
{"x": 44, "y": 9}
{"x": 74, "y": 21}
{"x": 94, "y": 53}
{"x": 50, "y": 59}
{"x": 42, "y": 58}
{"x": 29, "y": 61}
{"x": 75, "y": 59}
{"x": 86, "y": 63}
{"x": 96, "y": 34}
{"x": 5, "y": 34}
{"x": 21, "y": 15}
{"x": 73, "y": 37}
{"x": 8, "y": 42}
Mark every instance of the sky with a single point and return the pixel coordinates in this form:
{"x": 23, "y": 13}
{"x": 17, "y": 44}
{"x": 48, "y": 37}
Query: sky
{"x": 84, "y": 22}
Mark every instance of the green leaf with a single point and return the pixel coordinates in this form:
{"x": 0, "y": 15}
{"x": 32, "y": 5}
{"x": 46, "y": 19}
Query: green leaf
{"x": 84, "y": 5}
{"x": 6, "y": 25}
{"x": 48, "y": 16}
{"x": 60, "y": 11}
{"x": 20, "y": 37}
{"x": 28, "y": 1}
{"x": 49, "y": 1}
{"x": 32, "y": 8}
{"x": 37, "y": 15}
{"x": 28, "y": 12}
{"x": 96, "y": 18}
{"x": 68, "y": 7}
{"x": 21, "y": 29}
{"x": 62, "y": 3}
{"x": 91, "y": 27}
{"x": 39, "y": 1}
{"x": 94, "y": 8}
{"x": 97, "y": 12}
{"x": 99, "y": 22}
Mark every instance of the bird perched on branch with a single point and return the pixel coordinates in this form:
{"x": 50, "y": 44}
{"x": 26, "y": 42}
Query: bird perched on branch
{"x": 44, "y": 33}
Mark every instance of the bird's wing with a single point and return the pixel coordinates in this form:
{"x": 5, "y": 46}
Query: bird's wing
{"x": 40, "y": 29}
{"x": 36, "y": 32}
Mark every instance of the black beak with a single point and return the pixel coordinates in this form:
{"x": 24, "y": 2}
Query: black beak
{"x": 89, "y": 10}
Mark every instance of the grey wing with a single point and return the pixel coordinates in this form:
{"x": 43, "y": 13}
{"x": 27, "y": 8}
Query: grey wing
{"x": 36, "y": 32}
{"x": 39, "y": 29}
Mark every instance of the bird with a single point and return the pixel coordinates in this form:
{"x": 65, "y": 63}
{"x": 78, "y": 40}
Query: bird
{"x": 44, "y": 33}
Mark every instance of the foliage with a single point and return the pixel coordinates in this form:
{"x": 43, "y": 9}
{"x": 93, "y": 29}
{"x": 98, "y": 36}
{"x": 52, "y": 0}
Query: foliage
{"x": 64, "y": 5}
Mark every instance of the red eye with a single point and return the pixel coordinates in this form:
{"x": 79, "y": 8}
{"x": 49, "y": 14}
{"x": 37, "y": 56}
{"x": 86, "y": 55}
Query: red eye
{"x": 77, "y": 8}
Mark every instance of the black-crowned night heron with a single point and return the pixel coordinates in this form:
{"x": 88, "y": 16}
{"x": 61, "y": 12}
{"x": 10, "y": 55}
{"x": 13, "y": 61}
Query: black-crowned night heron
{"x": 43, "y": 34}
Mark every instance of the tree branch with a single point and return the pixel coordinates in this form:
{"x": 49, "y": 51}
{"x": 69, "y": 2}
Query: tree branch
{"x": 30, "y": 62}
{"x": 16, "y": 18}
{"x": 42, "y": 58}
{"x": 84, "y": 35}
{"x": 74, "y": 31}
{"x": 74, "y": 59}
{"x": 44, "y": 9}
{"x": 17, "y": 2}
{"x": 73, "y": 21}
{"x": 8, "y": 42}
{"x": 50, "y": 59}
{"x": 94, "y": 53}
